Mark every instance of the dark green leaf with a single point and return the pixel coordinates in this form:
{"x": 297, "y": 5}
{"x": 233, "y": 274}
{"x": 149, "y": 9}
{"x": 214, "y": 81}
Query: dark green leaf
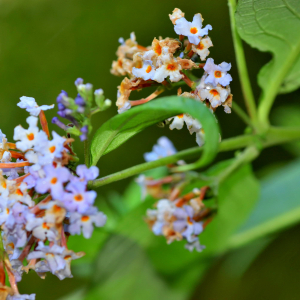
{"x": 278, "y": 207}
{"x": 123, "y": 271}
{"x": 273, "y": 26}
{"x": 237, "y": 197}
{"x": 122, "y": 127}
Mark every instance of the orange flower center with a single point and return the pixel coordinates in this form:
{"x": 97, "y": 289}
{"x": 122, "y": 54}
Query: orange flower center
{"x": 171, "y": 67}
{"x": 30, "y": 136}
{"x": 200, "y": 46}
{"x": 180, "y": 116}
{"x": 67, "y": 257}
{"x": 45, "y": 226}
{"x": 56, "y": 208}
{"x": 53, "y": 180}
{"x": 189, "y": 220}
{"x": 7, "y": 210}
{"x": 148, "y": 70}
{"x": 52, "y": 149}
{"x": 19, "y": 192}
{"x": 218, "y": 74}
{"x": 4, "y": 184}
{"x": 11, "y": 245}
{"x": 78, "y": 197}
{"x": 85, "y": 218}
{"x": 157, "y": 49}
{"x": 120, "y": 63}
{"x": 214, "y": 92}
{"x": 193, "y": 30}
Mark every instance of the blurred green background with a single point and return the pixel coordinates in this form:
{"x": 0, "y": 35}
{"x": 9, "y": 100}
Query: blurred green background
{"x": 46, "y": 44}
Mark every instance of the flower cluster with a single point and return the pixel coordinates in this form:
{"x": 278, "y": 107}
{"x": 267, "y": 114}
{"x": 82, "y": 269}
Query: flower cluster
{"x": 175, "y": 216}
{"x": 168, "y": 61}
{"x": 43, "y": 199}
{"x": 78, "y": 111}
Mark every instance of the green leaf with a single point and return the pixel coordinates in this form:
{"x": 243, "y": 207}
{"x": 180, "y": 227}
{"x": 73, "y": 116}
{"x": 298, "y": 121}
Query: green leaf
{"x": 288, "y": 116}
{"x": 237, "y": 197}
{"x": 273, "y": 26}
{"x": 122, "y": 127}
{"x": 123, "y": 271}
{"x": 278, "y": 207}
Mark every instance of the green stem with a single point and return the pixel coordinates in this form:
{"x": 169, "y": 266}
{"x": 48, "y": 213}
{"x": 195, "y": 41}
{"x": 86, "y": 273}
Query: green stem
{"x": 246, "y": 156}
{"x": 275, "y": 136}
{"x": 86, "y": 152}
{"x": 241, "y": 114}
{"x": 241, "y": 63}
{"x": 226, "y": 145}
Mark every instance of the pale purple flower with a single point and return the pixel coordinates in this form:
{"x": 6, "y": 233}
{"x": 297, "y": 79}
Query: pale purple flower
{"x": 53, "y": 181}
{"x": 57, "y": 259}
{"x": 51, "y": 149}
{"x": 28, "y": 137}
{"x": 78, "y": 199}
{"x": 52, "y": 255}
{"x": 86, "y": 221}
{"x": 17, "y": 215}
{"x": 21, "y": 297}
{"x": 194, "y": 245}
{"x": 193, "y": 30}
{"x": 217, "y": 74}
{"x": 185, "y": 223}
{"x": 163, "y": 148}
{"x": 41, "y": 228}
{"x": 31, "y": 106}
{"x": 86, "y": 174}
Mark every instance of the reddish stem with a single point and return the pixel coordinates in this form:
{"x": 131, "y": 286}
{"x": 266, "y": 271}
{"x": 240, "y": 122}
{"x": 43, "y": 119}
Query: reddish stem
{"x": 188, "y": 81}
{"x": 167, "y": 179}
{"x": 149, "y": 98}
{"x": 36, "y": 209}
{"x": 11, "y": 145}
{"x": 15, "y": 154}
{"x": 14, "y": 165}
{"x": 20, "y": 179}
{"x": 26, "y": 249}
{"x": 11, "y": 277}
{"x": 63, "y": 238}
{"x": 2, "y": 272}
{"x": 44, "y": 123}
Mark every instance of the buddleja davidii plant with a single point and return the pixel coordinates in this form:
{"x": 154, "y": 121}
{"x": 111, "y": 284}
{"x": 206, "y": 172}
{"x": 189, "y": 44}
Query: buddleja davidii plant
{"x": 170, "y": 62}
{"x": 46, "y": 195}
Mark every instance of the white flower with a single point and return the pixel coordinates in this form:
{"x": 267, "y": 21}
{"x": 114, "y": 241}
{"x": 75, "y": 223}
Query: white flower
{"x": 28, "y": 137}
{"x": 192, "y": 124}
{"x": 125, "y": 107}
{"x": 176, "y": 15}
{"x": 193, "y": 30}
{"x": 146, "y": 72}
{"x": 53, "y": 148}
{"x": 170, "y": 67}
{"x": 217, "y": 73}
{"x": 200, "y": 137}
{"x": 202, "y": 48}
{"x": 31, "y": 106}
{"x": 216, "y": 95}
{"x": 163, "y": 148}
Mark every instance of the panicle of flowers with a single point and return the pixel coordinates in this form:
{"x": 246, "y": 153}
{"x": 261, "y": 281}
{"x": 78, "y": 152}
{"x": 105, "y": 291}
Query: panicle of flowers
{"x": 176, "y": 215}
{"x": 79, "y": 111}
{"x": 43, "y": 198}
{"x": 170, "y": 61}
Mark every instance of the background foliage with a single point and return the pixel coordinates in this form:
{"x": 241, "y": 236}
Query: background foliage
{"x": 45, "y": 46}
